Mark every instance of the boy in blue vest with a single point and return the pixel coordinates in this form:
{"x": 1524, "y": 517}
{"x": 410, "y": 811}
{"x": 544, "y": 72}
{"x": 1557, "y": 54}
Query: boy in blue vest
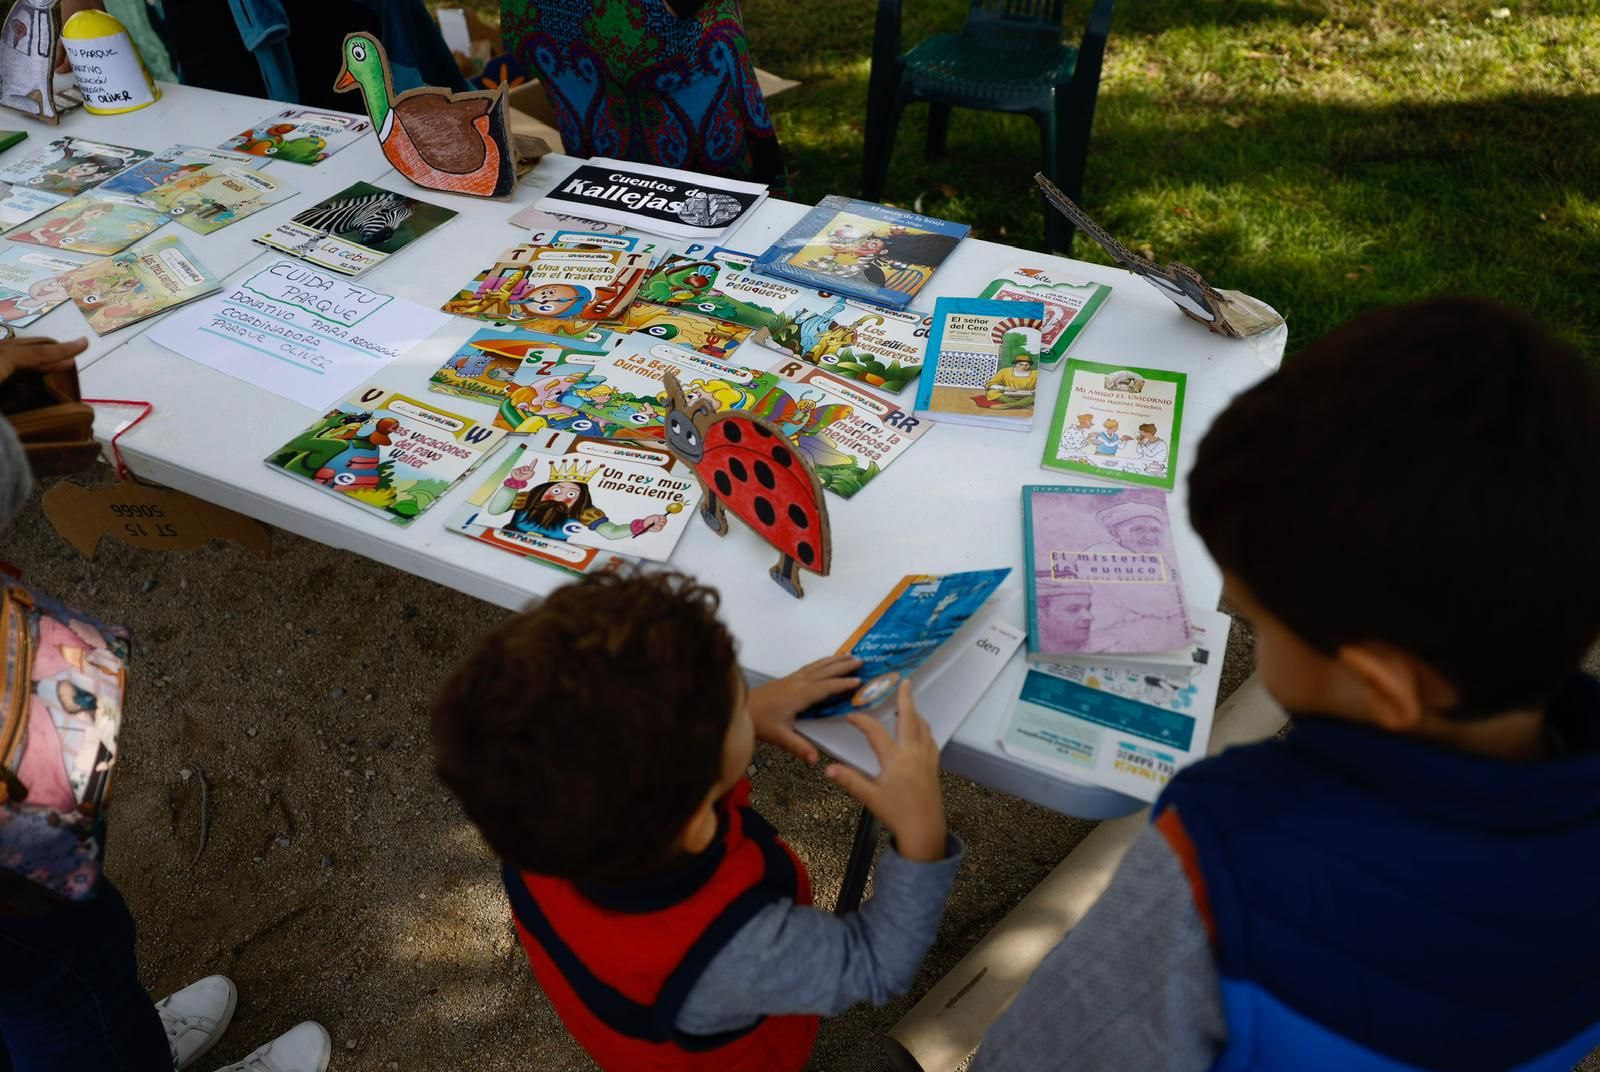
{"x": 600, "y": 743}
{"x": 1398, "y": 882}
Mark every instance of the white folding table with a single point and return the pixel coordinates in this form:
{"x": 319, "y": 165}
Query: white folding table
{"x": 950, "y": 503}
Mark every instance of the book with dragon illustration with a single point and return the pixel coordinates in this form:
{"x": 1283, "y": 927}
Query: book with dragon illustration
{"x": 216, "y": 195}
{"x": 70, "y": 165}
{"x": 138, "y": 283}
{"x": 557, "y": 289}
{"x": 18, "y": 204}
{"x": 299, "y": 135}
{"x": 1118, "y": 422}
{"x": 582, "y": 504}
{"x": 30, "y": 283}
{"x": 173, "y": 162}
{"x": 864, "y": 250}
{"x": 903, "y": 632}
{"x": 1103, "y": 573}
{"x": 357, "y": 228}
{"x": 848, "y": 433}
{"x": 91, "y": 223}
{"x": 1068, "y": 306}
{"x": 983, "y": 358}
{"x": 388, "y": 453}
{"x": 624, "y": 388}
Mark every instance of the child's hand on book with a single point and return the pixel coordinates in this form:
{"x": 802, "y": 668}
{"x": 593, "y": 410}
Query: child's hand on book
{"x": 905, "y": 795}
{"x": 773, "y": 706}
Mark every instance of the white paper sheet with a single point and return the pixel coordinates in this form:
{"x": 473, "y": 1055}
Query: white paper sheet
{"x": 307, "y": 334}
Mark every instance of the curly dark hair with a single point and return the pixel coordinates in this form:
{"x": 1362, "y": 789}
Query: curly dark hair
{"x": 582, "y": 735}
{"x": 1424, "y": 477}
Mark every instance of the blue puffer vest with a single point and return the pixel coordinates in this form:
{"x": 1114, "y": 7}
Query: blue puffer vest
{"x": 1380, "y": 905}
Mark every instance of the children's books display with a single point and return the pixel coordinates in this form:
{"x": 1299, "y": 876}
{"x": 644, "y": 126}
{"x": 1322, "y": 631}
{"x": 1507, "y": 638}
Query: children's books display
{"x": 983, "y": 358}
{"x": 70, "y": 165}
{"x": 1119, "y": 422}
{"x": 216, "y": 195}
{"x": 459, "y": 143}
{"x": 863, "y": 250}
{"x": 848, "y": 433}
{"x": 854, "y": 339}
{"x": 745, "y": 465}
{"x": 1127, "y": 730}
{"x": 556, "y": 289}
{"x": 388, "y": 453}
{"x": 1068, "y": 306}
{"x": 299, "y": 135}
{"x": 91, "y": 223}
{"x": 356, "y": 229}
{"x": 173, "y": 162}
{"x": 903, "y": 632}
{"x": 1226, "y": 312}
{"x": 656, "y": 200}
{"x": 30, "y": 284}
{"x": 1102, "y": 573}
{"x": 138, "y": 283}
{"x": 947, "y": 687}
{"x": 582, "y": 504}
{"x": 18, "y": 204}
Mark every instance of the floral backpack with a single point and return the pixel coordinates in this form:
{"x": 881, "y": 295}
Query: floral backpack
{"x": 60, "y": 711}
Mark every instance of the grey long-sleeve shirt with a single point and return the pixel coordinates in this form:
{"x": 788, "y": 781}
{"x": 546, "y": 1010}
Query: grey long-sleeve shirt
{"x": 792, "y": 958}
{"x": 1133, "y": 985}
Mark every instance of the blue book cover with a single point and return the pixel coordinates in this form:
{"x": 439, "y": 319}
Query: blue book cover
{"x": 982, "y": 364}
{"x": 863, "y": 250}
{"x": 914, "y": 619}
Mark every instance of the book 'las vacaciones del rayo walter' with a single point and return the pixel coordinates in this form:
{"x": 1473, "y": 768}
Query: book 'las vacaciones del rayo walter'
{"x": 864, "y": 250}
{"x": 658, "y": 200}
{"x": 1103, "y": 572}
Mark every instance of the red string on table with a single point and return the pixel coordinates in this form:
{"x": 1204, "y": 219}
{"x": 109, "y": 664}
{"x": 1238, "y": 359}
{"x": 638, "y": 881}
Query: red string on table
{"x": 147, "y": 408}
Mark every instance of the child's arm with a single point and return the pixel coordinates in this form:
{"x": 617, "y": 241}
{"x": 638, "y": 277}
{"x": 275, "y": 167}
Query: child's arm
{"x": 791, "y": 958}
{"x": 1134, "y": 985}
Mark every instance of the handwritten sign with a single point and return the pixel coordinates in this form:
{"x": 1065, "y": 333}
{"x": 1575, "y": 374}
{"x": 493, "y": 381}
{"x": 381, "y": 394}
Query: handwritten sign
{"x": 305, "y": 333}
{"x": 155, "y": 519}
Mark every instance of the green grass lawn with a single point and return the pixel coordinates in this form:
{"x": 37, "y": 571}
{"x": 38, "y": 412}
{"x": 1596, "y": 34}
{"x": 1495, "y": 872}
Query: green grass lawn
{"x": 1324, "y": 155}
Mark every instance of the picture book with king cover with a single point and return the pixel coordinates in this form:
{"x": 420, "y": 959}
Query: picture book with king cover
{"x": 387, "y": 453}
{"x": 582, "y": 504}
{"x": 865, "y": 250}
{"x": 1103, "y": 572}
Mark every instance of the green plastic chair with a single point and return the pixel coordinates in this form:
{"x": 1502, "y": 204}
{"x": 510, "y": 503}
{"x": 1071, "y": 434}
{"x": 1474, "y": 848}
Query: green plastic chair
{"x": 1008, "y": 58}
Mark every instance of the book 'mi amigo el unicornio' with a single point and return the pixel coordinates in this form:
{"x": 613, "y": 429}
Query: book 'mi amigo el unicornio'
{"x": 1117, "y": 421}
{"x": 862, "y": 249}
{"x": 1103, "y": 573}
{"x": 982, "y": 363}
{"x": 918, "y": 615}
{"x": 387, "y": 453}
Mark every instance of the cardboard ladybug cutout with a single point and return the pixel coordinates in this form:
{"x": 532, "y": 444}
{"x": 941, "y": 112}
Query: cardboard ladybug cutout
{"x": 746, "y": 465}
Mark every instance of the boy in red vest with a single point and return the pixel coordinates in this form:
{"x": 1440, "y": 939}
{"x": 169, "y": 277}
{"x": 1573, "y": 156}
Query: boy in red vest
{"x": 600, "y": 743}
{"x": 1407, "y": 514}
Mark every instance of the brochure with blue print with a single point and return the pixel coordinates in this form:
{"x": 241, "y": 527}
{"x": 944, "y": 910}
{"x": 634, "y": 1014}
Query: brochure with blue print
{"x": 863, "y": 250}
{"x": 919, "y": 615}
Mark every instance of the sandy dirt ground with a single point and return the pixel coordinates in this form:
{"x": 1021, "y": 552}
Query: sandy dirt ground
{"x": 281, "y": 705}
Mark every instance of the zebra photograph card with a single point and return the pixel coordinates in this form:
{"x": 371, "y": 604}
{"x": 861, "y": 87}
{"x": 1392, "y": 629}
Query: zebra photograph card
{"x": 356, "y": 229}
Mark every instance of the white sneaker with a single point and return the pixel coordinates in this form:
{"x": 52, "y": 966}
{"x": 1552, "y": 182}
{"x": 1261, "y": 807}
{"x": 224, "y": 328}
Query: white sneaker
{"x": 196, "y": 1016}
{"x": 303, "y": 1048}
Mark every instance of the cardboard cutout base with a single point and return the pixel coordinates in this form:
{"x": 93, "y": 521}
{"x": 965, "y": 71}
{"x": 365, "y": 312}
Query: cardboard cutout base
{"x": 155, "y": 519}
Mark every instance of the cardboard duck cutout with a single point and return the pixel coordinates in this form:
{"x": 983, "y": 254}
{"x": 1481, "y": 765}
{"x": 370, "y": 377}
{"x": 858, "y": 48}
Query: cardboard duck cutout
{"x": 459, "y": 143}
{"x": 747, "y": 465}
